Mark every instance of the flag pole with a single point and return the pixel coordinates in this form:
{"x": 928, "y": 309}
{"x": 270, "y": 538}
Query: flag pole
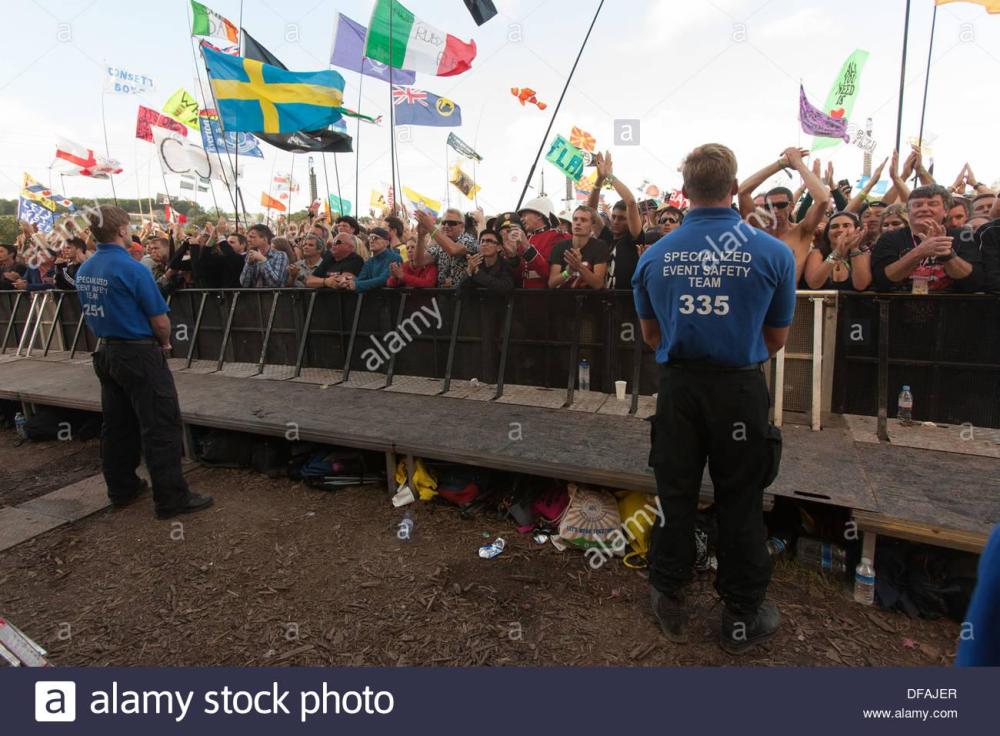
{"x": 291, "y": 172}
{"x": 927, "y": 80}
{"x": 475, "y": 189}
{"x": 336, "y": 173}
{"x": 447, "y": 178}
{"x": 107, "y": 148}
{"x": 215, "y": 102}
{"x": 393, "y": 169}
{"x": 326, "y": 182}
{"x": 357, "y": 146}
{"x": 236, "y": 167}
{"x": 555, "y": 112}
{"x": 902, "y": 76}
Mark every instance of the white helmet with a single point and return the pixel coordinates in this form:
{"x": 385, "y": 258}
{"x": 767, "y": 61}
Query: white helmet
{"x": 543, "y": 206}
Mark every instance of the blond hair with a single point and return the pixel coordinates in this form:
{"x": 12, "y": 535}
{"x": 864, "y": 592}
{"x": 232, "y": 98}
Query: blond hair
{"x": 106, "y": 221}
{"x": 709, "y": 172}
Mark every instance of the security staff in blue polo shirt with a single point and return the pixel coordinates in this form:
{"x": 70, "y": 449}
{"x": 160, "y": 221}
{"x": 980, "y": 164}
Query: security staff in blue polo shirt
{"x": 715, "y": 298}
{"x": 123, "y": 306}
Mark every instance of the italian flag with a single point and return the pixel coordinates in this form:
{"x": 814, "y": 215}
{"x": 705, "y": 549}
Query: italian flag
{"x": 416, "y": 45}
{"x": 207, "y": 22}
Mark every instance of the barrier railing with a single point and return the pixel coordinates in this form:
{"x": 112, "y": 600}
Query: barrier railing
{"x": 946, "y": 347}
{"x": 529, "y": 337}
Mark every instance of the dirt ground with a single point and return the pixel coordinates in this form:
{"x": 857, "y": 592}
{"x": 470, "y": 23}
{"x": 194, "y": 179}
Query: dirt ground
{"x": 29, "y": 469}
{"x": 278, "y": 573}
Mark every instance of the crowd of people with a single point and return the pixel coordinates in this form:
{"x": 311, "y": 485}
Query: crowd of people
{"x": 930, "y": 238}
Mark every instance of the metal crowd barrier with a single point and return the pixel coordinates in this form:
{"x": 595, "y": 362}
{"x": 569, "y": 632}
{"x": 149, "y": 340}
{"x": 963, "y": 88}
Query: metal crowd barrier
{"x": 529, "y": 338}
{"x": 946, "y": 347}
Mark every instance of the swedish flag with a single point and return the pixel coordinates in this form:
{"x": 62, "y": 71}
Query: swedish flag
{"x": 257, "y": 98}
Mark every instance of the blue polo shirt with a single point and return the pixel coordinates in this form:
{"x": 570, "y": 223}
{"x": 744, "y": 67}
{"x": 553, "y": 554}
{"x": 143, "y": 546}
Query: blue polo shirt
{"x": 712, "y": 284}
{"x": 118, "y": 294}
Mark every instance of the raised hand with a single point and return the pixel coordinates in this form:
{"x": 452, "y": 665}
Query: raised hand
{"x": 605, "y": 166}
{"x": 877, "y": 174}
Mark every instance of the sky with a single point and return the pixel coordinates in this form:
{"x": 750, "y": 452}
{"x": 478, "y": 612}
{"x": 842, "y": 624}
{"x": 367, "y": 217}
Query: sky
{"x": 691, "y": 72}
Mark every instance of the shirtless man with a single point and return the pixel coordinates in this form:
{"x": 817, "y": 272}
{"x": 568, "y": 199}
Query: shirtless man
{"x": 778, "y": 204}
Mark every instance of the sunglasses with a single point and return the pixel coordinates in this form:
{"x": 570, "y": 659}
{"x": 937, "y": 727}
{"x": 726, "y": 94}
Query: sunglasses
{"x": 777, "y": 205}
{"x": 452, "y": 222}
{"x": 490, "y": 241}
{"x": 668, "y": 220}
{"x": 374, "y": 237}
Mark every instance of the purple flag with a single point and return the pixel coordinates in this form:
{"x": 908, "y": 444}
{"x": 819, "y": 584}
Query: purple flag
{"x": 348, "y": 53}
{"x": 816, "y": 122}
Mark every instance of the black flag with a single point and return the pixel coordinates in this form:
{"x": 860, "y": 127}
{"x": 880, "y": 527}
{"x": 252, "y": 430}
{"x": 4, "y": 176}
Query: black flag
{"x": 301, "y": 141}
{"x": 482, "y": 10}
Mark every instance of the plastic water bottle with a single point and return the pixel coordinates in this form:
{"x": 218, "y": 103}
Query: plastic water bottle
{"x": 584, "y": 374}
{"x": 19, "y": 422}
{"x": 405, "y": 530}
{"x": 821, "y": 556}
{"x": 864, "y": 583}
{"x": 905, "y": 403}
{"x": 776, "y": 546}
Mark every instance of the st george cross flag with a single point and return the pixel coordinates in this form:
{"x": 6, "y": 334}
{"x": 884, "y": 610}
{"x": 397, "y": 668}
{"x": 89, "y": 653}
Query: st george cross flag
{"x": 148, "y": 117}
{"x": 417, "y": 107}
{"x": 206, "y": 22}
{"x": 73, "y": 159}
{"x": 349, "y": 53}
{"x": 462, "y": 147}
{"x": 815, "y": 122}
{"x": 415, "y": 44}
{"x": 253, "y": 96}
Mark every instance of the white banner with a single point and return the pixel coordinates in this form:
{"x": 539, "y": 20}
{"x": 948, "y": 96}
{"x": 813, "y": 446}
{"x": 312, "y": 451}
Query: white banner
{"x": 121, "y": 81}
{"x": 178, "y": 155}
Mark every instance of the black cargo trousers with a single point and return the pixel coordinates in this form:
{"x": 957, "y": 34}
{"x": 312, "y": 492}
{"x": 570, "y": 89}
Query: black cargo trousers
{"x": 141, "y": 419}
{"x": 707, "y": 412}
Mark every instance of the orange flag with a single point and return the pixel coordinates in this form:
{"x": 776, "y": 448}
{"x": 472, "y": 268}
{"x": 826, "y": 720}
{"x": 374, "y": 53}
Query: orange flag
{"x": 271, "y": 203}
{"x": 992, "y": 6}
{"x": 582, "y": 139}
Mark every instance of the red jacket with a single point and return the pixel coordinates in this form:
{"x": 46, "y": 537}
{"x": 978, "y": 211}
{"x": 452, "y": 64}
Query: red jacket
{"x": 535, "y": 264}
{"x": 424, "y": 277}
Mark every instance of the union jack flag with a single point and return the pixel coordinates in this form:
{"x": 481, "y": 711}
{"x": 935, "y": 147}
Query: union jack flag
{"x": 409, "y": 96}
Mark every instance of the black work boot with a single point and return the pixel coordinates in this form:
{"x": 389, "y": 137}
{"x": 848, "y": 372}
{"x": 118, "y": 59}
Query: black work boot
{"x": 194, "y": 502}
{"x": 741, "y": 633}
{"x": 671, "y": 613}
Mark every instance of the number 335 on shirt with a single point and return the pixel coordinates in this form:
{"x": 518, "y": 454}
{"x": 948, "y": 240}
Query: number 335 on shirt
{"x": 704, "y": 304}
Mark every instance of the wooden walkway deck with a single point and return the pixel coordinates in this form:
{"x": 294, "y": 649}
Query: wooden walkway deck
{"x": 932, "y": 495}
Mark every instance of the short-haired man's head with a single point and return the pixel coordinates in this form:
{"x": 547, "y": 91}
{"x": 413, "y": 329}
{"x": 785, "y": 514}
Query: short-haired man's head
{"x": 7, "y": 251}
{"x": 931, "y": 202}
{"x": 315, "y": 241}
{"x": 982, "y": 204}
{"x": 263, "y": 231}
{"x": 709, "y": 173}
{"x": 777, "y": 192}
{"x": 394, "y": 224}
{"x": 106, "y": 223}
{"x": 582, "y": 224}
